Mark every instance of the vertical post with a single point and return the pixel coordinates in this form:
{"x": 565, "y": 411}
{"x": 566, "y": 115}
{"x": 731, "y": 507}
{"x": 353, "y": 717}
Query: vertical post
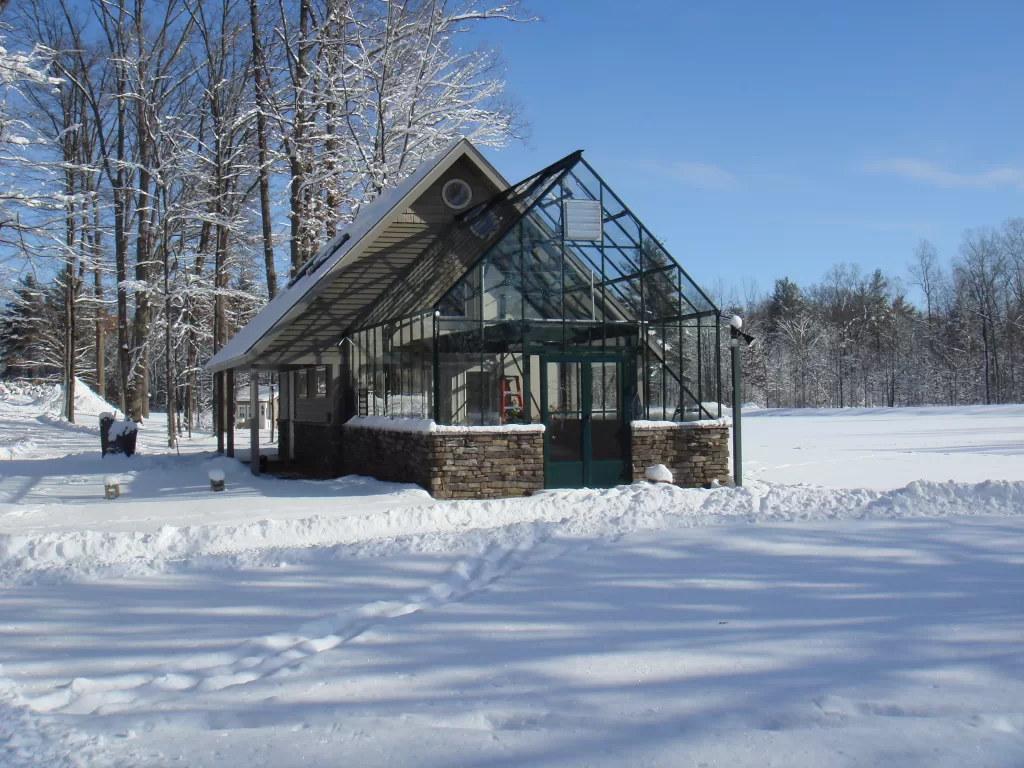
{"x": 254, "y": 422}
{"x": 700, "y": 365}
{"x": 329, "y": 393}
{"x": 271, "y": 409}
{"x": 718, "y": 367}
{"x": 437, "y": 369}
{"x": 229, "y": 410}
{"x": 292, "y": 404}
{"x": 218, "y": 409}
{"x": 737, "y": 399}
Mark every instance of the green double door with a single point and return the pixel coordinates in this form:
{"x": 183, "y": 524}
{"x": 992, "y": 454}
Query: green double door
{"x": 586, "y": 441}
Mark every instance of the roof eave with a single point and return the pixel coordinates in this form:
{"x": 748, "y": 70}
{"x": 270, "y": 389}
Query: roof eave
{"x": 461, "y": 148}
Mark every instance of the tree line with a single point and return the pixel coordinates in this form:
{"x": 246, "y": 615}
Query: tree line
{"x": 156, "y": 156}
{"x": 854, "y": 338}
{"x": 161, "y": 159}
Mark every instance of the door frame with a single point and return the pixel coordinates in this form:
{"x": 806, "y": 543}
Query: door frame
{"x": 585, "y": 357}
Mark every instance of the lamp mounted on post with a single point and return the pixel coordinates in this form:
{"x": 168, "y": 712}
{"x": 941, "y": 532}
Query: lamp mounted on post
{"x": 737, "y": 338}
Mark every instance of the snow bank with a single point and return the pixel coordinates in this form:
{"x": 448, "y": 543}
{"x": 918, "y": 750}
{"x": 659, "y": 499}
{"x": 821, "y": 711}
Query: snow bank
{"x": 429, "y": 425}
{"x": 391, "y": 424}
{"x": 87, "y": 402}
{"x": 725, "y": 421}
{"x": 659, "y": 473}
{"x": 28, "y": 739}
{"x": 23, "y": 557}
{"x": 19, "y": 446}
{"x": 29, "y": 389}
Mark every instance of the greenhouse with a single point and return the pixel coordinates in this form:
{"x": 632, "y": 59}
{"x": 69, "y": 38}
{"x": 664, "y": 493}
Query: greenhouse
{"x": 546, "y": 304}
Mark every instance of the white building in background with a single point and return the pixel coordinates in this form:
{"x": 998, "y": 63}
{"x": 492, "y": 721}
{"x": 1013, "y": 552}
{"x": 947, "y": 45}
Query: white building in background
{"x": 268, "y": 407}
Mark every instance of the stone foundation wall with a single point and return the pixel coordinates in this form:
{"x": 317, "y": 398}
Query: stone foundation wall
{"x": 487, "y": 465}
{"x": 319, "y": 447}
{"x": 399, "y": 457}
{"x": 470, "y": 464}
{"x": 696, "y": 454}
{"x": 492, "y": 464}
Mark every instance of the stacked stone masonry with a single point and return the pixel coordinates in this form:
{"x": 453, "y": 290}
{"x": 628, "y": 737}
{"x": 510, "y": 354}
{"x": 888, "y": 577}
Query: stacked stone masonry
{"x": 450, "y": 465}
{"x": 697, "y": 455}
{"x": 398, "y": 457}
{"x": 496, "y": 464}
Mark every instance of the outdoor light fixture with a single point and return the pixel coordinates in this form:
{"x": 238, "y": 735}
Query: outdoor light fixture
{"x": 736, "y": 338}
{"x": 736, "y": 333}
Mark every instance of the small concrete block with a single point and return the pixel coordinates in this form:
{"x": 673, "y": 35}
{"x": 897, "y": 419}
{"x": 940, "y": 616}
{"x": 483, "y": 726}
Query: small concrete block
{"x": 216, "y": 479}
{"x": 111, "y": 486}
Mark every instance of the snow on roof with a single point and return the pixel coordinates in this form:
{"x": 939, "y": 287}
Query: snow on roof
{"x": 333, "y": 256}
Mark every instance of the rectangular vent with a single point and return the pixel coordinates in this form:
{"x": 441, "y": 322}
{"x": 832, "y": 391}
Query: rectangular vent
{"x": 582, "y": 219}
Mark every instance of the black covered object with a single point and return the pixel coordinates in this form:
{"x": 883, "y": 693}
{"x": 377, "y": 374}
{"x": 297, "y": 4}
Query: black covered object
{"x": 117, "y": 437}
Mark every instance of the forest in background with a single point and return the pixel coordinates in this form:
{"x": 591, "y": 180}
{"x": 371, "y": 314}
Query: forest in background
{"x": 156, "y": 154}
{"x": 854, "y": 339}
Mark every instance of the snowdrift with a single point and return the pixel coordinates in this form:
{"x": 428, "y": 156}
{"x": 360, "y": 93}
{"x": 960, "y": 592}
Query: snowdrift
{"x": 87, "y": 402}
{"x": 447, "y": 526}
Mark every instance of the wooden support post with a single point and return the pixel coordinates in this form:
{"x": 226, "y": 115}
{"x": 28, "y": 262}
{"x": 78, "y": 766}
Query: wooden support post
{"x": 218, "y": 409}
{"x": 292, "y": 407}
{"x": 229, "y": 408}
{"x": 254, "y": 422}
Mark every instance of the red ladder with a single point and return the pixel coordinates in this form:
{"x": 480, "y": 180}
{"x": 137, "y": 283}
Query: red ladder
{"x": 511, "y": 398}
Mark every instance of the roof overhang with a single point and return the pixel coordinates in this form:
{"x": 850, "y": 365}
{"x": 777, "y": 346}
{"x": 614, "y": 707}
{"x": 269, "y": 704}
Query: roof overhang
{"x": 244, "y": 353}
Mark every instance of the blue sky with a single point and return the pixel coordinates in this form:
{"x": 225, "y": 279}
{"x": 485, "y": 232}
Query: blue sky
{"x": 767, "y": 139}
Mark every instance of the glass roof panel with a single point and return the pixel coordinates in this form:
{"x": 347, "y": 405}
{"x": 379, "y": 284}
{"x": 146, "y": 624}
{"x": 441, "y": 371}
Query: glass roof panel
{"x": 469, "y": 237}
{"x": 535, "y": 272}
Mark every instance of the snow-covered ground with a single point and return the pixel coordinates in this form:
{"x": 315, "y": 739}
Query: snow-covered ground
{"x": 877, "y": 621}
{"x": 884, "y": 447}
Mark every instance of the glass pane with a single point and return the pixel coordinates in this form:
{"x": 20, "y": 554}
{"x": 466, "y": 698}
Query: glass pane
{"x": 604, "y": 390}
{"x": 542, "y": 273}
{"x": 481, "y": 392}
{"x": 606, "y": 422}
{"x": 565, "y": 412}
{"x": 502, "y": 280}
{"x": 661, "y": 295}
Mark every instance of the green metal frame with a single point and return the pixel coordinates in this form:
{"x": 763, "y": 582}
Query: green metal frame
{"x": 642, "y": 304}
{"x": 590, "y": 476}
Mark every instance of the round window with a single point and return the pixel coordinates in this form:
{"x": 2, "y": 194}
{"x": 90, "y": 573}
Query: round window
{"x": 457, "y": 194}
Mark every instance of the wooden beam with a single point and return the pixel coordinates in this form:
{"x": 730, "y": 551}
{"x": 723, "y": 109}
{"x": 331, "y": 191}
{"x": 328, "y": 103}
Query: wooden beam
{"x": 254, "y": 422}
{"x": 218, "y": 409}
{"x": 229, "y": 410}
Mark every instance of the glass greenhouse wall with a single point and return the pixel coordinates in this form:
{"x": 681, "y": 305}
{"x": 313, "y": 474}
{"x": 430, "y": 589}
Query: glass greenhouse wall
{"x": 555, "y": 269}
